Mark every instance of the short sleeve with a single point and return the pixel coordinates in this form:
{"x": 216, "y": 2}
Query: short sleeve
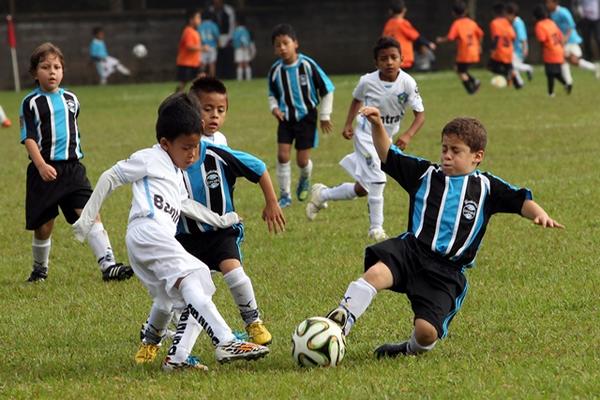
{"x": 407, "y": 170}
{"x": 28, "y": 122}
{"x": 132, "y": 169}
{"x": 506, "y": 198}
{"x": 414, "y": 97}
{"x": 320, "y": 79}
{"x": 359, "y": 90}
{"x": 240, "y": 163}
{"x": 453, "y": 32}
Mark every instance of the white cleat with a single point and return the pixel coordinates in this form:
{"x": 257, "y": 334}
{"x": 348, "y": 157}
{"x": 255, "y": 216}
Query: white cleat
{"x": 239, "y": 350}
{"x": 378, "y": 234}
{"x": 315, "y": 203}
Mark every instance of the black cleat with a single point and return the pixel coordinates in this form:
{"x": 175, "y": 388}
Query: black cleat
{"x": 568, "y": 88}
{"x": 117, "y": 272}
{"x": 38, "y": 274}
{"x": 529, "y": 75}
{"x": 392, "y": 350}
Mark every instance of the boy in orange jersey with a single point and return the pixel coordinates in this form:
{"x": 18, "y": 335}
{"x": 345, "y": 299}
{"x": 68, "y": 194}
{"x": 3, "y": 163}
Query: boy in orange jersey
{"x": 468, "y": 37}
{"x": 402, "y": 30}
{"x": 189, "y": 51}
{"x": 503, "y": 36}
{"x": 551, "y": 39}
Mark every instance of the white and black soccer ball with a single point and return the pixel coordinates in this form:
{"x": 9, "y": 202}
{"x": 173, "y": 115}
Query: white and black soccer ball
{"x": 139, "y": 50}
{"x": 318, "y": 341}
{"x": 499, "y": 81}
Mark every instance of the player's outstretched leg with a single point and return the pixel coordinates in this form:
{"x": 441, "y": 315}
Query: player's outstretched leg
{"x": 100, "y": 244}
{"x": 424, "y": 332}
{"x": 179, "y": 356}
{"x": 316, "y": 202}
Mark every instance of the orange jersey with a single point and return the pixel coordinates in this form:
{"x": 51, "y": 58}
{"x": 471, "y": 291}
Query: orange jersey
{"x": 468, "y": 35}
{"x": 503, "y": 36}
{"x": 185, "y": 57}
{"x": 403, "y": 31}
{"x": 551, "y": 39}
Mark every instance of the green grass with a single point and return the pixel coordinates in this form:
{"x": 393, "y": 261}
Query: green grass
{"x": 528, "y": 328}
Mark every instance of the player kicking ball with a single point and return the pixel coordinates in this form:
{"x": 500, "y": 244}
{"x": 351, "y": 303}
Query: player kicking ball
{"x": 450, "y": 206}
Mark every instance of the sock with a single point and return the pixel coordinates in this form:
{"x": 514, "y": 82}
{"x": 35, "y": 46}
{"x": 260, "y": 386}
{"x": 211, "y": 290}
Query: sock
{"x": 375, "y": 200}
{"x": 550, "y": 82}
{"x": 240, "y": 73}
{"x": 345, "y": 191}
{"x": 3, "y": 116}
{"x": 566, "y": 73}
{"x": 202, "y": 308}
{"x": 306, "y": 171}
{"x": 585, "y": 64}
{"x": 98, "y": 241}
{"x": 157, "y": 323}
{"x": 248, "y": 73}
{"x": 241, "y": 289}
{"x": 123, "y": 69}
{"x": 41, "y": 252}
{"x": 415, "y": 348}
{"x": 357, "y": 299}
{"x": 284, "y": 177}
{"x": 185, "y": 337}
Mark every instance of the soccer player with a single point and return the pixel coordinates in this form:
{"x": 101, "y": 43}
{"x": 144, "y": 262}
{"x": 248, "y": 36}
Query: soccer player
{"x": 520, "y": 44}
{"x": 571, "y": 40}
{"x": 468, "y": 37}
{"x": 551, "y": 39}
{"x": 209, "y": 36}
{"x": 169, "y": 272}
{"x": 55, "y": 177}
{"x": 189, "y": 51}
{"x": 212, "y": 98}
{"x": 296, "y": 87}
{"x": 451, "y": 204}
{"x": 105, "y": 64}
{"x": 501, "y": 57}
{"x": 392, "y": 91}
{"x": 244, "y": 49}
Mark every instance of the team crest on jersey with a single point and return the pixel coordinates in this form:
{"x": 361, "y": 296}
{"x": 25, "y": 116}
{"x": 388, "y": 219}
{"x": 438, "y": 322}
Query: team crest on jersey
{"x": 402, "y": 97}
{"x": 469, "y": 210}
{"x": 303, "y": 80}
{"x": 213, "y": 180}
{"x": 71, "y": 106}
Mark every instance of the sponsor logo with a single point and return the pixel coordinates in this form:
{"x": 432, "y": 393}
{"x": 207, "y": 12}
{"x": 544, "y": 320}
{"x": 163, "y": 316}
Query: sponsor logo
{"x": 469, "y": 210}
{"x": 212, "y": 179}
{"x": 391, "y": 119}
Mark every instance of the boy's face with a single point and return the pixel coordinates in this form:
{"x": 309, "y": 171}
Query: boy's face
{"x": 286, "y": 48}
{"x": 183, "y": 149}
{"x": 196, "y": 20}
{"x": 457, "y": 157}
{"x": 49, "y": 73}
{"x": 213, "y": 110}
{"x": 551, "y": 5}
{"x": 388, "y": 63}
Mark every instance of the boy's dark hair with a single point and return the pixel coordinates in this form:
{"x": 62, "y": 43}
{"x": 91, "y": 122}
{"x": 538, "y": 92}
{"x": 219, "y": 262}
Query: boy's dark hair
{"x": 189, "y": 13}
{"x": 41, "y": 52}
{"x": 385, "y": 42}
{"x": 207, "y": 85}
{"x": 97, "y": 30}
{"x": 240, "y": 19}
{"x": 539, "y": 12}
{"x": 178, "y": 115}
{"x": 208, "y": 16}
{"x": 512, "y": 8}
{"x": 283, "y": 30}
{"x": 397, "y": 6}
{"x": 499, "y": 9}
{"x": 470, "y": 130}
{"x": 459, "y": 7}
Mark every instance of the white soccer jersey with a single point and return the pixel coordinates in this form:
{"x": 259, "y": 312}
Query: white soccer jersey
{"x": 216, "y": 138}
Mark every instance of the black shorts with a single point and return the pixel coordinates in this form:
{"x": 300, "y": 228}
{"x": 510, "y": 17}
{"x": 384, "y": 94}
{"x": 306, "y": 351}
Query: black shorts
{"x": 552, "y": 69}
{"x": 214, "y": 246}
{"x": 435, "y": 288}
{"x": 304, "y": 132}
{"x": 70, "y": 191}
{"x": 500, "y": 68}
{"x": 463, "y": 68}
{"x": 186, "y": 74}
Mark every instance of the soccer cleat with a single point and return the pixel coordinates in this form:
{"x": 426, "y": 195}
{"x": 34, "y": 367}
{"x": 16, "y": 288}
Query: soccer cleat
{"x": 315, "y": 204}
{"x": 377, "y": 234}
{"x": 38, "y": 273}
{"x": 392, "y": 350}
{"x": 285, "y": 200}
{"x": 258, "y": 333}
{"x": 146, "y": 353}
{"x": 303, "y": 188}
{"x": 190, "y": 363}
{"x": 239, "y": 350}
{"x": 569, "y": 88}
{"x": 6, "y": 123}
{"x": 342, "y": 317}
{"x": 529, "y": 75}
{"x": 117, "y": 272}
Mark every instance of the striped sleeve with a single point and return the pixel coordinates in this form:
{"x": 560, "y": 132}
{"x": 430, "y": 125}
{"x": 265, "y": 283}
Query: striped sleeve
{"x": 27, "y": 120}
{"x": 240, "y": 164}
{"x": 506, "y": 198}
{"x": 320, "y": 79}
{"x": 407, "y": 170}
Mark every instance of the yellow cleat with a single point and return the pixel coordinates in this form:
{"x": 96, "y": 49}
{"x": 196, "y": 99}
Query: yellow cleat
{"x": 258, "y": 333}
{"x": 146, "y": 353}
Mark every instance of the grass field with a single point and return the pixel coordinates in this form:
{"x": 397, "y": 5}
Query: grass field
{"x": 529, "y": 327}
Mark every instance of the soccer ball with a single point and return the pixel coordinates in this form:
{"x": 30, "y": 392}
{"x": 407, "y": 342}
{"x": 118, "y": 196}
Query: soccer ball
{"x": 139, "y": 50}
{"x": 498, "y": 81}
{"x": 318, "y": 341}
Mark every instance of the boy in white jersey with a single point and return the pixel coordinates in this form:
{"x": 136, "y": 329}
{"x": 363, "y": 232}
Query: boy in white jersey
{"x": 170, "y": 274}
{"x": 391, "y": 90}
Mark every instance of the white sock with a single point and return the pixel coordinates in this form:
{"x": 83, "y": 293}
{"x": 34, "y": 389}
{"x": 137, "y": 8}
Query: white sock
{"x": 306, "y": 171}
{"x": 2, "y": 115}
{"x": 566, "y": 73}
{"x": 186, "y": 334}
{"x": 240, "y": 73}
{"x": 242, "y": 291}
{"x": 345, "y": 191}
{"x": 284, "y": 177}
{"x": 415, "y": 348}
{"x": 41, "y": 252}
{"x": 157, "y": 323}
{"x": 123, "y": 69}
{"x": 585, "y": 64}
{"x": 202, "y": 308}
{"x": 100, "y": 244}
{"x": 357, "y": 299}
{"x": 375, "y": 200}
{"x": 248, "y": 73}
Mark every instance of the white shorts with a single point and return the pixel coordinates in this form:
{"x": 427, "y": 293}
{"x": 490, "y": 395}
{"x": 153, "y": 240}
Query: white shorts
{"x": 159, "y": 260}
{"x": 209, "y": 56}
{"x": 364, "y": 165}
{"x": 573, "y": 49}
{"x": 242, "y": 54}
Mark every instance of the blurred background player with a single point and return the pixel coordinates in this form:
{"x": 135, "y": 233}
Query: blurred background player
{"x": 244, "y": 49}
{"x": 468, "y": 36}
{"x": 189, "y": 51}
{"x": 391, "y": 90}
{"x": 55, "y": 177}
{"x": 520, "y": 44}
{"x": 501, "y": 56}
{"x": 297, "y": 85}
{"x": 105, "y": 64}
{"x": 571, "y": 40}
{"x": 209, "y": 36}
{"x": 4, "y": 121}
{"x": 424, "y": 57}
{"x": 551, "y": 39}
{"x": 589, "y": 24}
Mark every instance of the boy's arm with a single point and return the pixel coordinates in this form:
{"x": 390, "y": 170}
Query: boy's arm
{"x": 46, "y": 171}
{"x": 272, "y": 213}
{"x": 417, "y": 123}
{"x": 325, "y": 110}
{"x": 195, "y": 210}
{"x": 538, "y": 215}
{"x": 348, "y": 131}
{"x": 381, "y": 139}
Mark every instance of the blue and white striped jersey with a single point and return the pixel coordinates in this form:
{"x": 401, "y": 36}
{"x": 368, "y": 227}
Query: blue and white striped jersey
{"x": 449, "y": 214}
{"x": 211, "y": 181}
{"x": 51, "y": 120}
{"x": 299, "y": 87}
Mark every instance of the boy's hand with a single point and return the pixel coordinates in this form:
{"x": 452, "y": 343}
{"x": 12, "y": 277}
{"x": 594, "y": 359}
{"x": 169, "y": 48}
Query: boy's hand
{"x": 547, "y": 222}
{"x": 371, "y": 114}
{"x": 274, "y": 218}
{"x": 348, "y": 132}
{"x": 403, "y": 141}
{"x": 278, "y": 114}
{"x": 326, "y": 126}
{"x": 47, "y": 172}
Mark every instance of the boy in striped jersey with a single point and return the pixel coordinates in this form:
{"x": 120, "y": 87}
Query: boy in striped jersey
{"x": 55, "y": 177}
{"x": 296, "y": 87}
{"x": 450, "y": 206}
